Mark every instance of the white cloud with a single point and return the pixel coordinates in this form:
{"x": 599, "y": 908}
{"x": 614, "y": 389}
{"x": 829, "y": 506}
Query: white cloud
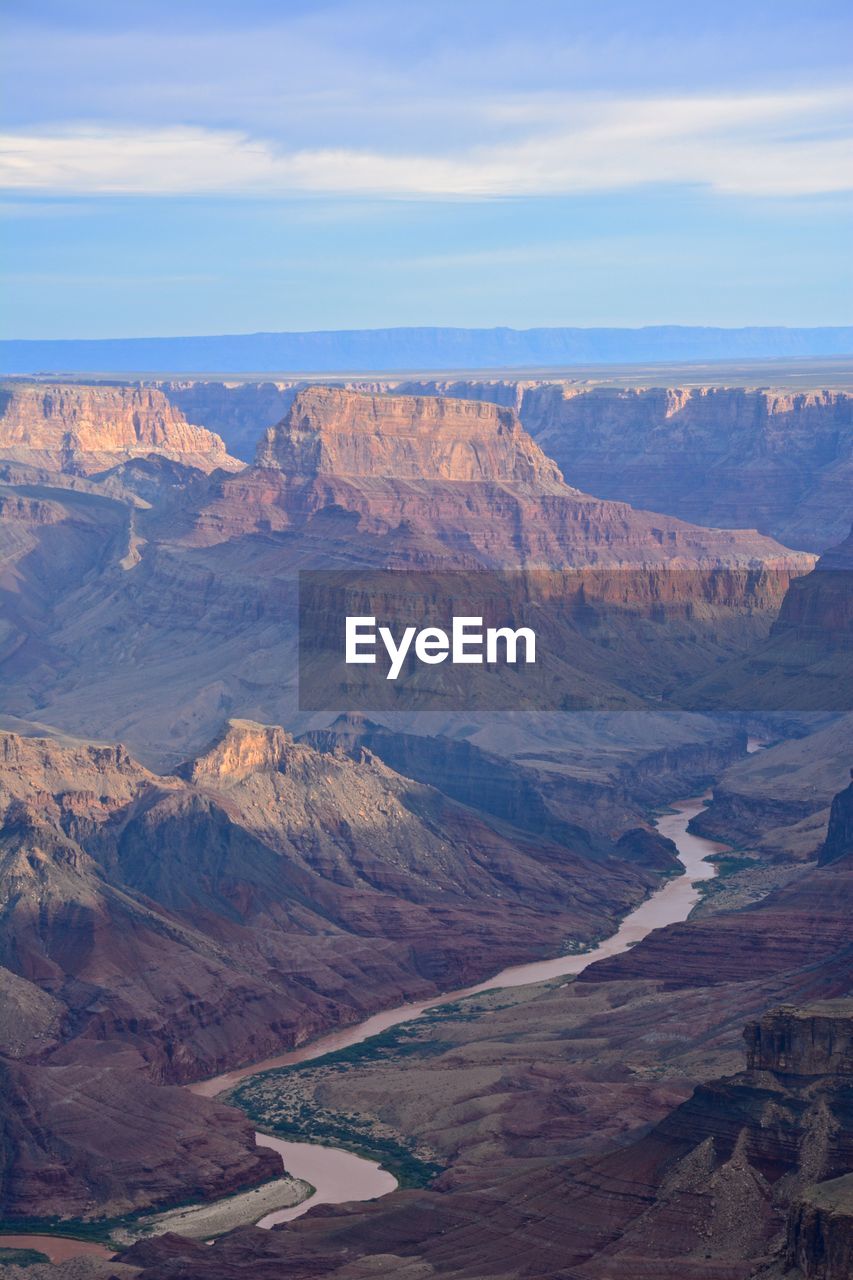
{"x": 782, "y": 144}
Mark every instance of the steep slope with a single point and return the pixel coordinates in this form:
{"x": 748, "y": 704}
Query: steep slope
{"x": 337, "y": 432}
{"x": 806, "y": 662}
{"x": 703, "y": 1195}
{"x": 157, "y": 929}
{"x": 839, "y": 836}
{"x": 88, "y": 1134}
{"x": 732, "y": 457}
{"x": 273, "y": 892}
{"x": 86, "y": 429}
{"x": 466, "y": 478}
{"x": 729, "y": 456}
{"x": 190, "y": 616}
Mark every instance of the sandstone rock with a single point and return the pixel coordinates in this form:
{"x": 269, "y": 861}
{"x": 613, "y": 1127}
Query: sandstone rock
{"x": 812, "y": 1041}
{"x": 720, "y": 456}
{"x": 820, "y": 1231}
{"x": 331, "y": 431}
{"x": 724, "y": 457}
{"x": 87, "y": 429}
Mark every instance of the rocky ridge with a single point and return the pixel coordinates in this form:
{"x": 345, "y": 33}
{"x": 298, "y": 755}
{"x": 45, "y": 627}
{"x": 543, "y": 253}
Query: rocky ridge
{"x": 158, "y": 929}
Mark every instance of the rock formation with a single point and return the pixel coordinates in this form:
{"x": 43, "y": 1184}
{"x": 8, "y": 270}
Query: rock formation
{"x": 839, "y": 835}
{"x": 705, "y": 1193}
{"x": 724, "y": 456}
{"x": 814, "y": 1041}
{"x": 86, "y": 429}
{"x": 158, "y": 929}
{"x": 331, "y": 431}
{"x": 461, "y": 474}
{"x": 718, "y": 456}
{"x": 196, "y": 575}
{"x": 819, "y": 1244}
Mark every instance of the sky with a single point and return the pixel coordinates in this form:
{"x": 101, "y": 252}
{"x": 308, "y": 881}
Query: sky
{"x": 225, "y": 167}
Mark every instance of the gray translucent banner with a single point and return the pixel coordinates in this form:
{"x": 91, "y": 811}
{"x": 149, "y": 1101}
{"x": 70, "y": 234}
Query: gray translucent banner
{"x": 739, "y": 639}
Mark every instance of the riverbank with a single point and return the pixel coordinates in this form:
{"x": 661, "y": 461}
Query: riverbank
{"x": 203, "y": 1221}
{"x": 273, "y": 1100}
{"x": 341, "y": 1176}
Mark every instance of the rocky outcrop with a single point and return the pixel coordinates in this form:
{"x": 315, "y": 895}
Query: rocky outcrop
{"x": 201, "y": 572}
{"x": 86, "y": 429}
{"x": 810, "y": 1041}
{"x": 839, "y": 836}
{"x": 332, "y": 431}
{"x": 718, "y": 456}
{"x": 819, "y": 1243}
{"x": 244, "y": 749}
{"x": 457, "y": 480}
{"x": 721, "y": 456}
{"x": 270, "y": 891}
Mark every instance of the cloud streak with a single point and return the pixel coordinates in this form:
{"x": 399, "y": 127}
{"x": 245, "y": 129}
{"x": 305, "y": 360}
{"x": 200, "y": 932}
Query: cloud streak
{"x": 782, "y": 144}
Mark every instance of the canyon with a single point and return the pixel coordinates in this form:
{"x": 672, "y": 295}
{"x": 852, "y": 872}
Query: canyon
{"x": 156, "y": 929}
{"x": 193, "y": 576}
{"x": 199, "y": 874}
{"x": 554, "y": 1086}
{"x": 733, "y": 457}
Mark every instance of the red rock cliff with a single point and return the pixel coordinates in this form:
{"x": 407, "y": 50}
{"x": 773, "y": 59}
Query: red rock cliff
{"x": 333, "y": 431}
{"x": 86, "y": 429}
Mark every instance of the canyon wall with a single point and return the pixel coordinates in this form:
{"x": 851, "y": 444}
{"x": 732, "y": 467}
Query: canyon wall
{"x": 86, "y": 429}
{"x": 332, "y": 431}
{"x": 781, "y": 462}
{"x": 731, "y": 457}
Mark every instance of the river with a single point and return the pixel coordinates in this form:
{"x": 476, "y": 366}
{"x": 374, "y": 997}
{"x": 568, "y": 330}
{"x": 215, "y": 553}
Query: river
{"x": 339, "y": 1176}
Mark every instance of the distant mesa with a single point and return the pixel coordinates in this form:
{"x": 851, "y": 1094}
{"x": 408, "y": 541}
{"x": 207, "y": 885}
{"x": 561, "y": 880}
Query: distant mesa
{"x": 333, "y": 431}
{"x": 420, "y": 348}
{"x": 88, "y": 429}
{"x": 729, "y": 455}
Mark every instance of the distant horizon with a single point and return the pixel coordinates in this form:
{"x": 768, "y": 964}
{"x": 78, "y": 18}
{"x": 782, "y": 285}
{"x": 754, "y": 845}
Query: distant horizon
{"x": 414, "y": 349}
{"x": 234, "y": 332}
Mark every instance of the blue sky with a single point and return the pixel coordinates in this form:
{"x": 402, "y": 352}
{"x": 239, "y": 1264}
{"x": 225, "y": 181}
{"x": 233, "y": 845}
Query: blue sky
{"x": 229, "y": 167}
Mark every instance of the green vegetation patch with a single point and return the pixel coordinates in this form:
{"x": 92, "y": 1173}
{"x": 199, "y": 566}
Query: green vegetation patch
{"x": 269, "y": 1104}
{"x": 21, "y": 1257}
{"x": 728, "y": 865}
{"x": 75, "y": 1228}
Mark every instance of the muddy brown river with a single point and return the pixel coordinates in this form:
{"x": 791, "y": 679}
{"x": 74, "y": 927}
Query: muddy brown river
{"x": 341, "y": 1177}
